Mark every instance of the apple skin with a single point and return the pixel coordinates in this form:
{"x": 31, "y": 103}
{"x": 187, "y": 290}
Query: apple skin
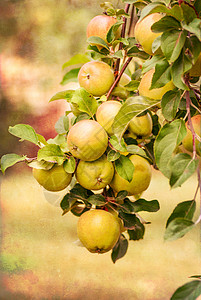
{"x": 106, "y": 113}
{"x": 96, "y": 77}
{"x": 188, "y": 140}
{"x": 98, "y": 230}
{"x": 95, "y": 175}
{"x": 141, "y": 177}
{"x": 100, "y": 25}
{"x": 87, "y": 140}
{"x": 145, "y": 84}
{"x": 141, "y": 125}
{"x": 54, "y": 180}
{"x": 143, "y": 33}
{"x": 196, "y": 68}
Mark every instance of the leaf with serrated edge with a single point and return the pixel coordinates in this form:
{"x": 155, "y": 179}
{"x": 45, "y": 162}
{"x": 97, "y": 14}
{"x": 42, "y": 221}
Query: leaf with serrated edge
{"x": 85, "y": 101}
{"x": 97, "y": 200}
{"x": 24, "y": 132}
{"x": 124, "y": 167}
{"x": 8, "y": 160}
{"x": 170, "y": 103}
{"x": 177, "y": 228}
{"x": 52, "y": 153}
{"x": 67, "y": 95}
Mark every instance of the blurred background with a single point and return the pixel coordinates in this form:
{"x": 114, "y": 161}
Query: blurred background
{"x": 40, "y": 257}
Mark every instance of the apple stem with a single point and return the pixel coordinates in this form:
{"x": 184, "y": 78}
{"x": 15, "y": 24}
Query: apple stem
{"x": 118, "y": 77}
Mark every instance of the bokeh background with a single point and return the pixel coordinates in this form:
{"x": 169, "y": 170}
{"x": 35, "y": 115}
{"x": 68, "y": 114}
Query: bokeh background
{"x": 40, "y": 256}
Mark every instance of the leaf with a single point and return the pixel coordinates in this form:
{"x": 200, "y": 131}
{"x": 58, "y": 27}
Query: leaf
{"x": 70, "y": 165}
{"x": 132, "y": 223}
{"x": 165, "y": 24}
{"x": 143, "y": 205}
{"x": 172, "y": 43}
{"x": 115, "y": 143}
{"x": 70, "y": 76}
{"x": 85, "y": 101}
{"x": 179, "y": 67}
{"x": 63, "y": 95}
{"x": 177, "y": 228}
{"x": 97, "y": 200}
{"x": 184, "y": 210}
{"x": 161, "y": 75}
{"x": 119, "y": 249}
{"x": 80, "y": 192}
{"x": 124, "y": 167}
{"x": 188, "y": 12}
{"x": 132, "y": 107}
{"x": 52, "y": 153}
{"x": 113, "y": 155}
{"x": 182, "y": 166}
{"x": 24, "y": 132}
{"x": 170, "y": 104}
{"x": 153, "y": 8}
{"x": 188, "y": 291}
{"x": 62, "y": 125}
{"x": 194, "y": 27}
{"x": 67, "y": 202}
{"x": 132, "y": 85}
{"x": 112, "y": 32}
{"x": 8, "y": 160}
{"x": 95, "y": 40}
{"x": 76, "y": 59}
{"x": 121, "y": 196}
{"x": 169, "y": 137}
{"x": 151, "y": 63}
{"x": 136, "y": 52}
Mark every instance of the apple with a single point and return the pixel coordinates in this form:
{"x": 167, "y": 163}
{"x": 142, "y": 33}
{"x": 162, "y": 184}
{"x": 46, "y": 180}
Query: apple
{"x": 141, "y": 125}
{"x": 54, "y": 180}
{"x": 100, "y": 25}
{"x": 188, "y": 140}
{"x": 196, "y": 68}
{"x": 141, "y": 177}
{"x": 96, "y": 77}
{"x": 106, "y": 113}
{"x": 98, "y": 230}
{"x": 145, "y": 84}
{"x": 115, "y": 214}
{"x": 95, "y": 175}
{"x": 143, "y": 33}
{"x": 87, "y": 140}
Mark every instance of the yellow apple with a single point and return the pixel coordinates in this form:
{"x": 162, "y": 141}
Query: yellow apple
{"x": 143, "y": 33}
{"x": 106, "y": 113}
{"x": 87, "y": 140}
{"x": 145, "y": 84}
{"x": 95, "y": 175}
{"x": 96, "y": 77}
{"x": 98, "y": 230}
{"x": 141, "y": 125}
{"x": 196, "y": 69}
{"x": 188, "y": 140}
{"x": 141, "y": 177}
{"x": 55, "y": 179}
{"x": 115, "y": 214}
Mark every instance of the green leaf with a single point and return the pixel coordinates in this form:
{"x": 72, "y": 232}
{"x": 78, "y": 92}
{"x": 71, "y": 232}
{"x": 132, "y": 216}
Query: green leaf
{"x": 142, "y": 205}
{"x": 194, "y": 27}
{"x": 161, "y": 75}
{"x": 177, "y": 228}
{"x": 70, "y": 165}
{"x": 188, "y": 12}
{"x": 80, "y": 193}
{"x": 45, "y": 165}
{"x": 134, "y": 149}
{"x": 169, "y": 137}
{"x": 63, "y": 95}
{"x": 121, "y": 196}
{"x": 184, "y": 210}
{"x": 52, "y": 153}
{"x": 170, "y": 104}
{"x": 165, "y": 24}
{"x": 24, "y": 132}
{"x": 42, "y": 141}
{"x": 8, "y": 160}
{"x": 182, "y": 166}
{"x": 115, "y": 143}
{"x": 70, "y": 76}
{"x": 197, "y": 5}
{"x": 119, "y": 249}
{"x": 113, "y": 155}
{"x": 111, "y": 35}
{"x": 179, "y": 67}
{"x": 132, "y": 85}
{"x": 132, "y": 107}
{"x": 62, "y": 125}
{"x": 76, "y": 59}
{"x": 97, "y": 200}
{"x": 136, "y": 52}
{"x": 85, "y": 101}
{"x": 153, "y": 8}
{"x": 151, "y": 63}
{"x": 124, "y": 167}
{"x": 172, "y": 43}
{"x": 67, "y": 202}
{"x": 95, "y": 40}
{"x": 188, "y": 291}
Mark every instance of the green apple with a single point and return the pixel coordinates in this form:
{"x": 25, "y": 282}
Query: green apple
{"x": 95, "y": 175}
{"x": 55, "y": 179}
{"x": 98, "y": 230}
{"x": 145, "y": 84}
{"x": 141, "y": 177}
{"x": 106, "y": 113}
{"x": 87, "y": 140}
{"x": 141, "y": 125}
{"x": 188, "y": 140}
{"x": 96, "y": 77}
{"x": 143, "y": 33}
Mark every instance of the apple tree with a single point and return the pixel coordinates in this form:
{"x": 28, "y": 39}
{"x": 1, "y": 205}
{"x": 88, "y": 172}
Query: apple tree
{"x": 137, "y": 108}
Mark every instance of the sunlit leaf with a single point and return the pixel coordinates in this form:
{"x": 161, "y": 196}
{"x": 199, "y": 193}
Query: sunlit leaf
{"x": 76, "y": 59}
{"x": 8, "y": 160}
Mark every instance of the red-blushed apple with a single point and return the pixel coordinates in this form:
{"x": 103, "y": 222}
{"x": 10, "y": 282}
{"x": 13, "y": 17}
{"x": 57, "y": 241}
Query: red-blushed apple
{"x": 95, "y": 175}
{"x": 98, "y": 230}
{"x": 106, "y": 113}
{"x": 96, "y": 77}
{"x": 87, "y": 140}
